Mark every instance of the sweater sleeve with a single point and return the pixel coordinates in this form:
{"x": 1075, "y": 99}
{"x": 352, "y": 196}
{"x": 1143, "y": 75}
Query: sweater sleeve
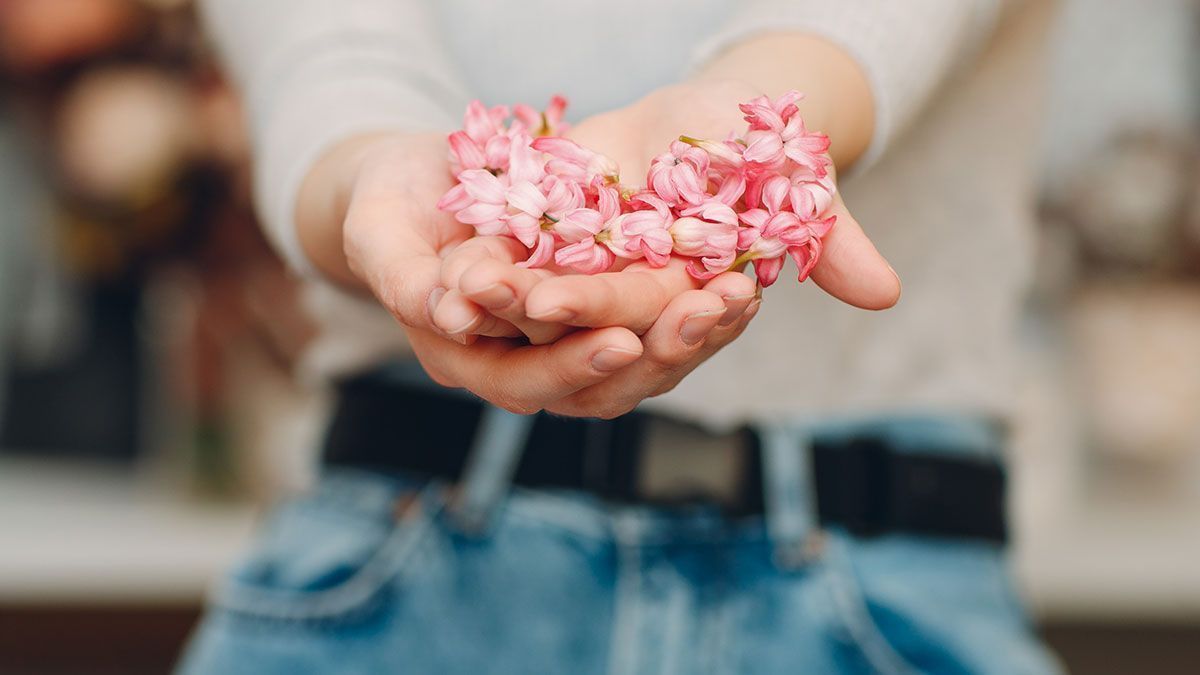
{"x": 314, "y": 72}
{"x": 905, "y": 47}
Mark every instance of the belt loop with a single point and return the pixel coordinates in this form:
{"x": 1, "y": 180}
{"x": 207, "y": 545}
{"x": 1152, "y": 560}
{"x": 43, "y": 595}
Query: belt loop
{"x": 789, "y": 493}
{"x": 491, "y": 464}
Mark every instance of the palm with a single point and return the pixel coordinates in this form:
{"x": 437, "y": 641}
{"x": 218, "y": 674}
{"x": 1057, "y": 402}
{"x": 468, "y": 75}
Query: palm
{"x": 634, "y": 135}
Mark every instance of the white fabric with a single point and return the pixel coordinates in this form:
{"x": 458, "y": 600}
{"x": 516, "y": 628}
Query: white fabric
{"x": 948, "y": 204}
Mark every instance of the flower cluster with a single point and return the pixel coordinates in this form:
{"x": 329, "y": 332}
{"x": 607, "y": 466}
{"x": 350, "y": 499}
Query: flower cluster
{"x": 723, "y": 204}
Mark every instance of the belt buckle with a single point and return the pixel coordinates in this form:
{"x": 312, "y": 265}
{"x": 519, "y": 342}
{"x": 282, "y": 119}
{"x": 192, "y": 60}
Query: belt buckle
{"x": 681, "y": 463}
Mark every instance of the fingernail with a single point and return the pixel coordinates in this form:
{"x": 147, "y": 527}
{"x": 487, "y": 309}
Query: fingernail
{"x": 468, "y": 325}
{"x": 435, "y": 296}
{"x": 613, "y": 358}
{"x": 495, "y": 296}
{"x": 752, "y": 310}
{"x": 557, "y": 314}
{"x": 735, "y": 306}
{"x": 697, "y": 326}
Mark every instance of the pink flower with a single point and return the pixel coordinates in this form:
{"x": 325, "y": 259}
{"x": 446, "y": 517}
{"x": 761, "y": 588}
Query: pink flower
{"x": 708, "y": 231}
{"x": 481, "y": 123}
{"x": 809, "y": 150}
{"x": 465, "y": 154}
{"x": 764, "y": 147}
{"x": 594, "y": 236}
{"x": 770, "y": 232}
{"x": 762, "y": 243}
{"x": 585, "y": 256}
{"x": 724, "y": 156}
{"x": 647, "y": 231}
{"x": 455, "y": 199}
{"x": 804, "y": 244}
{"x": 809, "y": 195}
{"x": 731, "y": 190}
{"x": 778, "y": 132}
{"x": 720, "y": 204}
{"x": 547, "y": 123}
{"x": 486, "y": 144}
{"x": 763, "y": 113}
{"x": 534, "y": 211}
{"x": 525, "y": 165}
{"x": 680, "y": 175}
{"x": 482, "y": 202}
{"x": 571, "y": 161}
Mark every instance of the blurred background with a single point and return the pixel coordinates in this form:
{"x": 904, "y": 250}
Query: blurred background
{"x": 148, "y": 336}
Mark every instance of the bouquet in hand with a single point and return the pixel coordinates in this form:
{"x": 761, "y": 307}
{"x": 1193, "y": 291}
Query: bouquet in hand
{"x": 751, "y": 198}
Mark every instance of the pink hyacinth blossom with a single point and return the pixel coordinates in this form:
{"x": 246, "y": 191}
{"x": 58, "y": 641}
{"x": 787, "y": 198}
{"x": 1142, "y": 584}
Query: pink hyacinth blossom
{"x": 586, "y": 256}
{"x": 535, "y": 210}
{"x": 593, "y": 237}
{"x": 709, "y": 232}
{"x": 723, "y": 155}
{"x": 763, "y": 113}
{"x": 648, "y": 229}
{"x": 680, "y": 175}
{"x": 455, "y": 199}
{"x": 764, "y": 147}
{"x": 465, "y": 154}
{"x": 809, "y": 195}
{"x": 770, "y": 232}
{"x": 808, "y": 149}
{"x": 714, "y": 244}
{"x": 749, "y": 199}
{"x": 731, "y": 189}
{"x": 805, "y": 244}
{"x": 525, "y": 164}
{"x": 488, "y": 202}
{"x": 571, "y": 161}
{"x": 761, "y": 241}
{"x": 482, "y": 123}
{"x": 549, "y": 122}
{"x": 778, "y": 132}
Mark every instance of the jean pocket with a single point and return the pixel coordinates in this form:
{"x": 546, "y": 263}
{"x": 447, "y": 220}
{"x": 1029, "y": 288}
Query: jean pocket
{"x": 319, "y": 560}
{"x": 923, "y": 605}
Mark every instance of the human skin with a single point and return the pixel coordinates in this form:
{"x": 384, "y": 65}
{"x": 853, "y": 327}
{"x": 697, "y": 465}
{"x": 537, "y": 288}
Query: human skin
{"x": 596, "y": 346}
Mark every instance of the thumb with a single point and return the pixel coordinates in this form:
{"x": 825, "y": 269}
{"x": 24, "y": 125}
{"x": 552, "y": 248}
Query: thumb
{"x": 851, "y": 269}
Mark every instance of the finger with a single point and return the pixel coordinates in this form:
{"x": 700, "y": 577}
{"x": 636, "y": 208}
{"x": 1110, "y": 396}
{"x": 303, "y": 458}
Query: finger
{"x": 726, "y": 333}
{"x": 525, "y": 379}
{"x": 456, "y": 315}
{"x": 496, "y": 284}
{"x": 634, "y": 298}
{"x": 737, "y": 290}
{"x": 392, "y": 242}
{"x": 501, "y": 288}
{"x": 851, "y": 269}
{"x": 670, "y": 345}
{"x": 475, "y": 249}
{"x": 720, "y": 336}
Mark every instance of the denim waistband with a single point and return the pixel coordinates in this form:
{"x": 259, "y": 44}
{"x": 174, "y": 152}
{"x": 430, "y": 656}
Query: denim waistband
{"x": 958, "y": 434}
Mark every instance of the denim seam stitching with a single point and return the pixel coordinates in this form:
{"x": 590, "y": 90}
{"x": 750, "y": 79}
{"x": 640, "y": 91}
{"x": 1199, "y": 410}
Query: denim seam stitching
{"x": 623, "y": 651}
{"x": 386, "y": 563}
{"x": 856, "y": 618}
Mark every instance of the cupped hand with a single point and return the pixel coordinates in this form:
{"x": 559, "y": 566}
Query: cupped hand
{"x": 490, "y": 295}
{"x": 394, "y": 240}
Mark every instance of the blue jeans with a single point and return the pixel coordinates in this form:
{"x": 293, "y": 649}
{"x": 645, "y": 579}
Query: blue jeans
{"x": 372, "y": 574}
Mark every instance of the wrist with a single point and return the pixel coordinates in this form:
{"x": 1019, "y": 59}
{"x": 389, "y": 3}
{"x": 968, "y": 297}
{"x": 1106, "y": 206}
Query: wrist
{"x": 838, "y": 100}
{"x": 324, "y": 200}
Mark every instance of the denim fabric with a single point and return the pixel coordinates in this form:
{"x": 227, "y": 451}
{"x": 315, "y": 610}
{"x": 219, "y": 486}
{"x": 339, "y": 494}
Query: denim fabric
{"x": 360, "y": 576}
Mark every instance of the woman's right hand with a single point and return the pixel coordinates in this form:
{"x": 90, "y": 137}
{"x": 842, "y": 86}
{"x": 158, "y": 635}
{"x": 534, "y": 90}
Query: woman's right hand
{"x": 367, "y": 218}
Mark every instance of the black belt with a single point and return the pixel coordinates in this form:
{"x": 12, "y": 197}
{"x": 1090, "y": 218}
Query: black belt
{"x": 862, "y": 484}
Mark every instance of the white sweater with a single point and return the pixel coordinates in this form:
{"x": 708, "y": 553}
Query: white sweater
{"x": 944, "y": 190}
